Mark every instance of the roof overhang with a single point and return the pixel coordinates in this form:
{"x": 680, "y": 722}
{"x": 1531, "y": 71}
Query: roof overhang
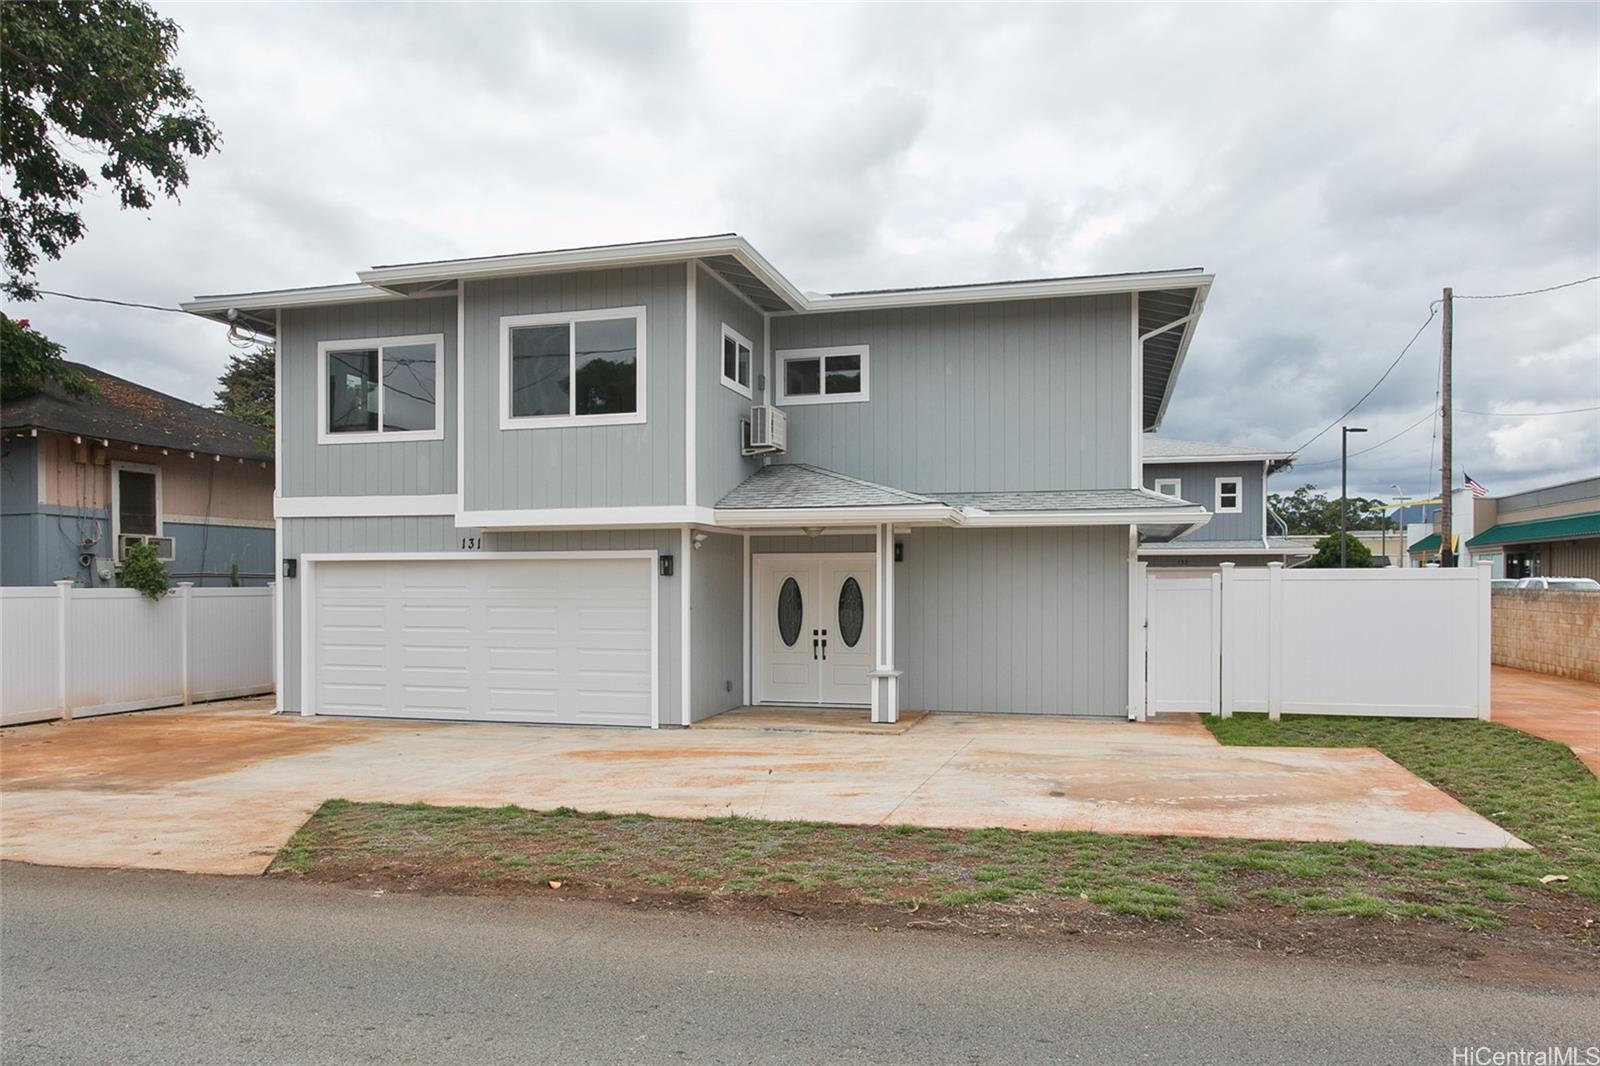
{"x": 1041, "y": 289}
{"x": 1199, "y": 549}
{"x": 833, "y": 517}
{"x": 1167, "y": 321}
{"x": 1241, "y": 457}
{"x": 257, "y": 310}
{"x": 1170, "y": 522}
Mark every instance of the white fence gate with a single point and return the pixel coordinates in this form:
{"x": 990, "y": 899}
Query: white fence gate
{"x": 1400, "y": 642}
{"x": 70, "y": 653}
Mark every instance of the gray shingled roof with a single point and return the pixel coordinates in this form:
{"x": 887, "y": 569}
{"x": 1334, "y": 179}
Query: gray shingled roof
{"x": 786, "y": 485}
{"x": 1064, "y": 500}
{"x": 801, "y": 485}
{"x": 1276, "y": 544}
{"x": 1171, "y": 448}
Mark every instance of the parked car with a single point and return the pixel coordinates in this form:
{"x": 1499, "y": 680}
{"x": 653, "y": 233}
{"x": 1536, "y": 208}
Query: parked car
{"x": 1504, "y": 583}
{"x": 1581, "y": 584}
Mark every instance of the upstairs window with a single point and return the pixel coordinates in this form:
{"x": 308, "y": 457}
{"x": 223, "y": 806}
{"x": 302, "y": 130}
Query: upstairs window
{"x": 823, "y": 375}
{"x": 572, "y": 368}
{"x": 736, "y": 361}
{"x": 1170, "y": 486}
{"x": 383, "y": 389}
{"x": 1229, "y": 496}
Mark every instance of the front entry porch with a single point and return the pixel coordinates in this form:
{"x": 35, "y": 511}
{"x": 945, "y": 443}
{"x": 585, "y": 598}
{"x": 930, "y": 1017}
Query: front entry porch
{"x": 810, "y": 718}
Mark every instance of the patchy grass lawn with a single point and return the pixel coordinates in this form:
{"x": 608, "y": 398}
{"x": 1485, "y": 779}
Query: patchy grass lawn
{"x": 1535, "y": 788}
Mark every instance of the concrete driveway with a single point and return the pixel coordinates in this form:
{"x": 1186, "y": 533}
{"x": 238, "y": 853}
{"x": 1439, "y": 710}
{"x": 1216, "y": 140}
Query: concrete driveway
{"x": 1555, "y": 708}
{"x": 219, "y": 789}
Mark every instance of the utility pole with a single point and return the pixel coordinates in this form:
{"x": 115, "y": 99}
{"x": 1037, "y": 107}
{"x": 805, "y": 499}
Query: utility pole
{"x": 1446, "y": 328}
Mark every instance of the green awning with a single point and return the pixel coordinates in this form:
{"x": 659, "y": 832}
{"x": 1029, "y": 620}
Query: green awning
{"x": 1430, "y": 543}
{"x": 1568, "y": 527}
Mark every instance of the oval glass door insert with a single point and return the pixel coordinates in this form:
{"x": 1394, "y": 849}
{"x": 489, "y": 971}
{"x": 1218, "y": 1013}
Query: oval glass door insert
{"x": 791, "y": 611}
{"x": 852, "y": 612}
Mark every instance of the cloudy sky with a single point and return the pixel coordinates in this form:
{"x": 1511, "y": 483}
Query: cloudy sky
{"x": 1335, "y": 166}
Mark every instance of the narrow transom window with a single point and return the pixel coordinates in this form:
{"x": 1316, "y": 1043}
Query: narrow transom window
{"x": 381, "y": 389}
{"x": 572, "y": 368}
{"x": 736, "y": 361}
{"x": 1170, "y": 486}
{"x": 1228, "y": 495}
{"x": 823, "y": 375}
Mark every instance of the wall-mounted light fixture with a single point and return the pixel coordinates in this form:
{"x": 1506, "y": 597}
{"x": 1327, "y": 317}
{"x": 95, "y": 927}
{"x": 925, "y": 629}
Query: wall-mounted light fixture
{"x": 666, "y": 566}
{"x": 291, "y": 567}
{"x": 699, "y": 539}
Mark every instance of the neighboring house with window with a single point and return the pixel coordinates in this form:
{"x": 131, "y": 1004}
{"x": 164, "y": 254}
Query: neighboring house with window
{"x": 81, "y": 479}
{"x": 643, "y": 484}
{"x": 1231, "y": 483}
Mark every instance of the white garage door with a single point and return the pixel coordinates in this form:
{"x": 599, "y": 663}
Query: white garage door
{"x": 483, "y": 639}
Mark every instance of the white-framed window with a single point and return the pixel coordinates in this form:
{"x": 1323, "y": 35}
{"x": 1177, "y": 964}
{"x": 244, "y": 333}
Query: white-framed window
{"x": 380, "y": 389}
{"x": 135, "y": 501}
{"x": 823, "y": 375}
{"x": 572, "y": 368}
{"x": 1170, "y": 486}
{"x": 1230, "y": 496}
{"x": 736, "y": 349}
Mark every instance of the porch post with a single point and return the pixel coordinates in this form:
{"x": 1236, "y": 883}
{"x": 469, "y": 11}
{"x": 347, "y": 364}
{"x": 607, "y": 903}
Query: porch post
{"x": 885, "y": 678}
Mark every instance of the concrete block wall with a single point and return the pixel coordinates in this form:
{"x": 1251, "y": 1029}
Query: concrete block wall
{"x": 1547, "y": 631}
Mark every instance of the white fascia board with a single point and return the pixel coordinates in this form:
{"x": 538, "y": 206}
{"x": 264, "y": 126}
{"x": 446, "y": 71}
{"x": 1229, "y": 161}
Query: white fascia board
{"x": 364, "y": 506}
{"x": 217, "y": 307}
{"x": 1203, "y": 290}
{"x": 586, "y": 518}
{"x": 1238, "y": 457}
{"x": 1018, "y": 290}
{"x": 1195, "y": 519}
{"x": 833, "y": 517}
{"x": 1179, "y": 549}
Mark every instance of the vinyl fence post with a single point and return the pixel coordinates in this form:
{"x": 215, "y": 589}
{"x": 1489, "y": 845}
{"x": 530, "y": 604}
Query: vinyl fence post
{"x": 1274, "y": 641}
{"x": 65, "y": 590}
{"x": 1484, "y": 609}
{"x": 186, "y": 603}
{"x": 1222, "y": 621}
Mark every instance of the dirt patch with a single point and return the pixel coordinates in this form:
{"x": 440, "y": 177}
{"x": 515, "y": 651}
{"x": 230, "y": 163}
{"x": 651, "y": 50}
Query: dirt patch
{"x": 140, "y": 752}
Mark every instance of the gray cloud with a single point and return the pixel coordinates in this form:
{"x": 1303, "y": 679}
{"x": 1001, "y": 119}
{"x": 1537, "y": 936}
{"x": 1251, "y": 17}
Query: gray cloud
{"x": 1334, "y": 165}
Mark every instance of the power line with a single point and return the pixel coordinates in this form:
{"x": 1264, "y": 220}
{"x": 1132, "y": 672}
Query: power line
{"x": 1432, "y": 314}
{"x": 1529, "y": 292}
{"x": 1333, "y": 462}
{"x": 104, "y": 300}
{"x": 1527, "y": 414}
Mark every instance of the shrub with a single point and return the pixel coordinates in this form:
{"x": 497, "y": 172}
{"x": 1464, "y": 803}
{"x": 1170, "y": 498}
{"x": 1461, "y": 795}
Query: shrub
{"x": 142, "y": 569}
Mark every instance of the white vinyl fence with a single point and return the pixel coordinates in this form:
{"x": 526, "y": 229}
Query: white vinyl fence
{"x": 1401, "y": 642}
{"x": 70, "y": 653}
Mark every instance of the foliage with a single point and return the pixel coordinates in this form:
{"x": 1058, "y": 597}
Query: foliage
{"x": 142, "y": 570}
{"x": 1308, "y": 511}
{"x": 245, "y": 389}
{"x": 1357, "y": 554}
{"x": 92, "y": 76}
{"x": 29, "y": 359}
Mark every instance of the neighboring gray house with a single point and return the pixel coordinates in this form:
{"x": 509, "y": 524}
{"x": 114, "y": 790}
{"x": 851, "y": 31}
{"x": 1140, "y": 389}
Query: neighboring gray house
{"x": 1231, "y": 483}
{"x": 81, "y": 478}
{"x": 643, "y": 484}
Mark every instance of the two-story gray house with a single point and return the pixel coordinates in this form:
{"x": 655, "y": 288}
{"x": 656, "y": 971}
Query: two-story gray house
{"x": 1231, "y": 483}
{"x": 643, "y": 484}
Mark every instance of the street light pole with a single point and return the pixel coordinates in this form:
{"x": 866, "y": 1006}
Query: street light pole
{"x": 1344, "y": 488}
{"x": 1401, "y": 498}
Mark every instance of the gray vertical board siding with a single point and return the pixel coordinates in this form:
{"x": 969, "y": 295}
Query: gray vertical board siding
{"x": 577, "y": 466}
{"x": 800, "y": 545}
{"x": 1014, "y": 621}
{"x": 1199, "y": 485}
{"x": 379, "y": 468}
{"x": 20, "y": 524}
{"x": 1012, "y": 395}
{"x": 44, "y": 546}
{"x": 716, "y": 626}
{"x": 203, "y": 553}
{"x": 305, "y": 536}
{"x": 718, "y": 408}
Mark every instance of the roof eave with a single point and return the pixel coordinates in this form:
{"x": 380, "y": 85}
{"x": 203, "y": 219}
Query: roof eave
{"x": 1018, "y": 290}
{"x": 833, "y": 517}
{"x": 1238, "y": 457}
{"x": 1191, "y": 518}
{"x": 257, "y": 305}
{"x": 1202, "y": 290}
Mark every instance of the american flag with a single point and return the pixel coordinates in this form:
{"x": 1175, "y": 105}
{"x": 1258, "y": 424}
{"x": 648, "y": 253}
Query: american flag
{"x": 1478, "y": 490}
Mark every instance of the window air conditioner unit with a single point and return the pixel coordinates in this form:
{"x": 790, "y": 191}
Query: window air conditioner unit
{"x": 166, "y": 547}
{"x": 766, "y": 431}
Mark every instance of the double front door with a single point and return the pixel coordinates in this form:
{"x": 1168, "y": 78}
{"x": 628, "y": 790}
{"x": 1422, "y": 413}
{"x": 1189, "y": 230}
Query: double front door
{"x": 813, "y": 620}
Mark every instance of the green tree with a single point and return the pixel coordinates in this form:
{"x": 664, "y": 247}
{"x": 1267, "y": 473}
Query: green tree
{"x": 245, "y": 389}
{"x": 95, "y": 76}
{"x": 1308, "y": 512}
{"x": 1357, "y": 554}
{"x": 29, "y": 359}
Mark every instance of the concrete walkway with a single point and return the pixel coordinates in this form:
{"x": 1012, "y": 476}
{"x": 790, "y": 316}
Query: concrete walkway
{"x": 219, "y": 789}
{"x": 1555, "y": 708}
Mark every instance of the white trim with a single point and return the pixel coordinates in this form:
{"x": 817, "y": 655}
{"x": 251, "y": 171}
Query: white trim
{"x": 1238, "y": 495}
{"x": 745, "y": 588}
{"x": 217, "y": 306}
{"x": 1138, "y": 607}
{"x": 1045, "y": 288}
{"x": 308, "y": 570}
{"x": 822, "y": 355}
{"x": 1136, "y": 377}
{"x": 117, "y": 467}
{"x": 325, "y": 436}
{"x": 766, "y": 359}
{"x": 746, "y": 390}
{"x": 277, "y": 523}
{"x": 685, "y": 641}
{"x": 1175, "y": 482}
{"x": 1194, "y": 519}
{"x": 570, "y": 319}
{"x": 803, "y": 517}
{"x": 364, "y": 506}
{"x": 691, "y": 457}
{"x": 588, "y": 517}
{"x": 1241, "y": 457}
{"x": 1201, "y": 548}
{"x": 461, "y": 396}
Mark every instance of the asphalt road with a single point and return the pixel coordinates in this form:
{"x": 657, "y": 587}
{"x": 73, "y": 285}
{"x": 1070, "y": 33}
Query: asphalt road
{"x": 130, "y": 968}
